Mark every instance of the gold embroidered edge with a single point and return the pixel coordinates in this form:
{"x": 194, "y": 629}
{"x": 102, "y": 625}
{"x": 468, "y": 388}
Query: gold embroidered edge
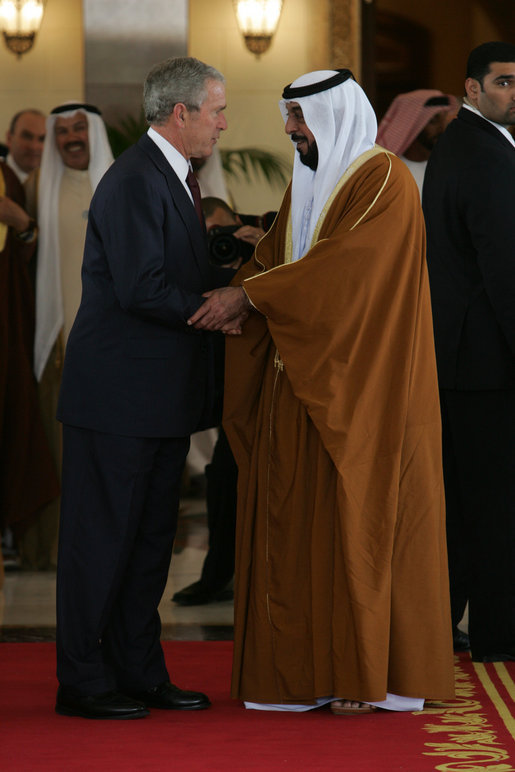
{"x": 353, "y": 168}
{"x": 472, "y": 743}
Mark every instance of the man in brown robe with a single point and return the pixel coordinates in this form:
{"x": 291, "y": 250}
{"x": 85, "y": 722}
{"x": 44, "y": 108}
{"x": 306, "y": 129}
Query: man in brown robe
{"x": 28, "y": 478}
{"x": 331, "y": 408}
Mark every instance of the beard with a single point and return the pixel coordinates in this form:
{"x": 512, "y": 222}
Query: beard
{"x": 310, "y": 157}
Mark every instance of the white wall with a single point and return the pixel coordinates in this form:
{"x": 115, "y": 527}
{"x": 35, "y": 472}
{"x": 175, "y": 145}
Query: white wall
{"x": 52, "y": 71}
{"x": 254, "y": 86}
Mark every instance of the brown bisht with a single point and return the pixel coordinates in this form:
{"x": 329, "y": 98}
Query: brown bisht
{"x": 28, "y": 478}
{"x": 332, "y": 411}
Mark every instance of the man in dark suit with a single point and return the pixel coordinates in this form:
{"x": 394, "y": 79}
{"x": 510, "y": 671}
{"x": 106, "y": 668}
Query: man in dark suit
{"x": 469, "y": 204}
{"x": 137, "y": 381}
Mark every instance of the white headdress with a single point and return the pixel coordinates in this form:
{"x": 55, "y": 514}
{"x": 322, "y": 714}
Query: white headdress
{"x": 342, "y": 120}
{"x": 49, "y": 300}
{"x": 211, "y": 177}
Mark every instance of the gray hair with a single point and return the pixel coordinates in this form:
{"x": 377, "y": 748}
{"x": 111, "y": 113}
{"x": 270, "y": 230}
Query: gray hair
{"x": 181, "y": 79}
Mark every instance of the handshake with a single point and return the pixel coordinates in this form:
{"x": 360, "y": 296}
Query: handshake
{"x": 225, "y": 310}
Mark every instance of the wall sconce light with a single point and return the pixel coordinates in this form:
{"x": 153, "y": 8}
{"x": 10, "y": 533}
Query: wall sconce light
{"x": 20, "y": 20}
{"x": 257, "y": 21}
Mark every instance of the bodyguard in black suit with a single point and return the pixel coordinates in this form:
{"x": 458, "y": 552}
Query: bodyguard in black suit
{"x": 469, "y": 206}
{"x": 137, "y": 381}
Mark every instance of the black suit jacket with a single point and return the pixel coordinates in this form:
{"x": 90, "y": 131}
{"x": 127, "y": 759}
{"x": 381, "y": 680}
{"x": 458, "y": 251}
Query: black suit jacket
{"x": 469, "y": 206}
{"x": 133, "y": 367}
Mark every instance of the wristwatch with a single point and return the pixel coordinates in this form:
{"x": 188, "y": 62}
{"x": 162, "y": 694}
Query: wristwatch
{"x": 30, "y": 233}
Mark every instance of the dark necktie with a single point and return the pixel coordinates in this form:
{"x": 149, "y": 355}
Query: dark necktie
{"x": 191, "y": 182}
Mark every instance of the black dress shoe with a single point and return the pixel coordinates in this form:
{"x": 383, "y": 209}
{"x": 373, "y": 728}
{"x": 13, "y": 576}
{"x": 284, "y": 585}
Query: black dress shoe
{"x": 167, "y": 696}
{"x": 197, "y": 594}
{"x": 500, "y": 657}
{"x": 460, "y": 640}
{"x": 107, "y": 705}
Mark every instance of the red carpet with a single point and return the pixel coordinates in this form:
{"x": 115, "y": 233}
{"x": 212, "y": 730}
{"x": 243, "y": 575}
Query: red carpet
{"x": 474, "y": 733}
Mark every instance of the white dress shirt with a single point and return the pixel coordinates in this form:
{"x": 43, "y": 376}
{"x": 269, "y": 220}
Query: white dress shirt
{"x": 179, "y": 164}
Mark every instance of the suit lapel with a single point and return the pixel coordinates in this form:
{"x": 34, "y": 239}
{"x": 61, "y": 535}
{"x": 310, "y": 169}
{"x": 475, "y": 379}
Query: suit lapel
{"x": 476, "y": 120}
{"x": 182, "y": 202}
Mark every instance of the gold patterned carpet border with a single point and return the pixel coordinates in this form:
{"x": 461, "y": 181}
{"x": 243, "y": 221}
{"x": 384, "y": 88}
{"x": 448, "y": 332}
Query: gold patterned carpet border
{"x": 476, "y": 731}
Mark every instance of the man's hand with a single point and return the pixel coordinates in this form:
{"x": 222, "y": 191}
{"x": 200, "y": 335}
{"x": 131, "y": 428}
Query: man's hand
{"x": 235, "y": 326}
{"x": 222, "y": 307}
{"x": 13, "y": 214}
{"x": 249, "y": 233}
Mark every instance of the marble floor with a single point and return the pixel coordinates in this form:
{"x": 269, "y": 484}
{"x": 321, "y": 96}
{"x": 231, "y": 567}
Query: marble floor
{"x": 27, "y": 601}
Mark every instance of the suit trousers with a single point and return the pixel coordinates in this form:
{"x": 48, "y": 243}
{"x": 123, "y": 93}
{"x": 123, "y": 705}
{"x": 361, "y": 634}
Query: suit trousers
{"x": 478, "y": 432}
{"x": 120, "y": 500}
{"x": 221, "y": 499}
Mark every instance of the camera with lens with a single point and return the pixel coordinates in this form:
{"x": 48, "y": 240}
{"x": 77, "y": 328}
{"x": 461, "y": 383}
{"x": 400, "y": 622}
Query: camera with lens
{"x": 225, "y": 248}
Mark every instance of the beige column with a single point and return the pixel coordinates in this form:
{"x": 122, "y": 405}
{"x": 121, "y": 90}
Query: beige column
{"x": 345, "y": 34}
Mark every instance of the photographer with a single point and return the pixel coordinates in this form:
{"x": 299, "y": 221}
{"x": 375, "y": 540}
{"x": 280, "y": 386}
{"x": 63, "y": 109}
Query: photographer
{"x": 231, "y": 243}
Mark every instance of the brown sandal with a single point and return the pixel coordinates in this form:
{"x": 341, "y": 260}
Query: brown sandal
{"x": 338, "y": 708}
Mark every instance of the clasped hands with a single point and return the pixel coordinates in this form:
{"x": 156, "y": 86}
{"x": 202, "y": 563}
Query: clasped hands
{"x": 225, "y": 309}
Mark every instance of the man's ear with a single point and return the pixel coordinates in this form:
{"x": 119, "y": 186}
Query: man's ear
{"x": 179, "y": 114}
{"x": 472, "y": 88}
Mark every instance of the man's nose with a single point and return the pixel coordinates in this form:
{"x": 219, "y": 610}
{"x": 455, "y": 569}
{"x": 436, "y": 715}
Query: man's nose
{"x": 291, "y": 125}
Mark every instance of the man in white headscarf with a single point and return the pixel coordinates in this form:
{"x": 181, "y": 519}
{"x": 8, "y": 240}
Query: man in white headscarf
{"x": 331, "y": 409}
{"x": 75, "y": 157}
{"x": 76, "y": 154}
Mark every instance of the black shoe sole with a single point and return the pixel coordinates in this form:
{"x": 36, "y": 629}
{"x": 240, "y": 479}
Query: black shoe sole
{"x": 64, "y": 711}
{"x": 166, "y": 707}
